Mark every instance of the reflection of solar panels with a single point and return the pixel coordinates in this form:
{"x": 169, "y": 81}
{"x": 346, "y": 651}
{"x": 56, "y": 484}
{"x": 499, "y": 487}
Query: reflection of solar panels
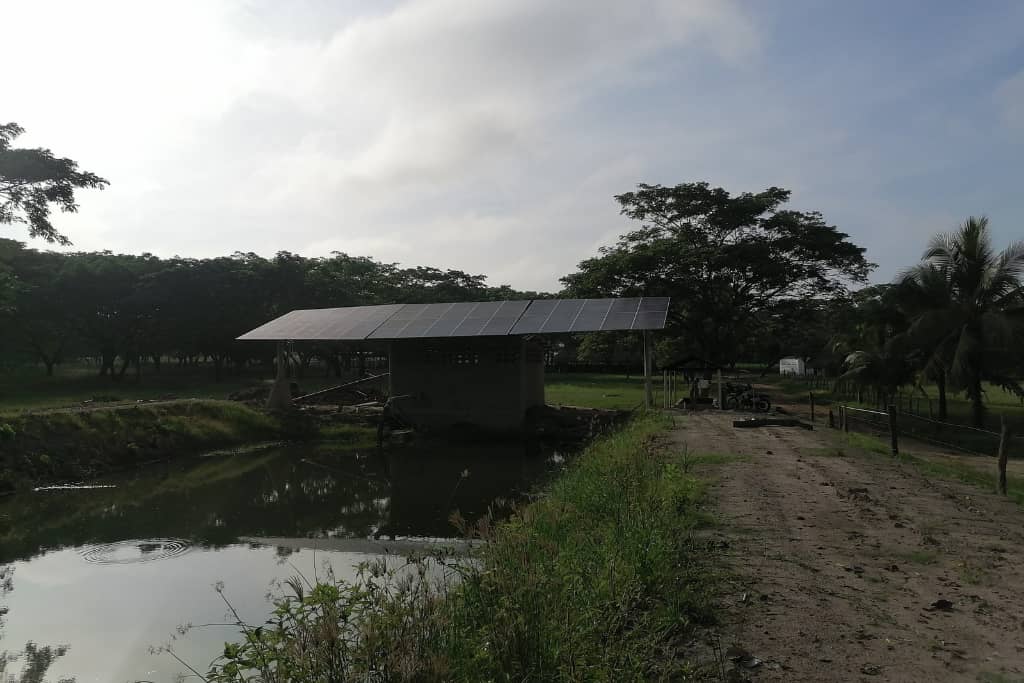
{"x": 465, "y": 319}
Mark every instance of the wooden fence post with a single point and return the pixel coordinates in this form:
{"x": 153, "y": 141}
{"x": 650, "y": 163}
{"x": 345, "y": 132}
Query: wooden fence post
{"x": 1004, "y": 437}
{"x": 894, "y": 431}
{"x": 831, "y": 419}
{"x": 648, "y": 362}
{"x": 810, "y": 395}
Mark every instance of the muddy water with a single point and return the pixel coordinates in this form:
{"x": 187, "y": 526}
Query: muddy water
{"x": 103, "y": 574}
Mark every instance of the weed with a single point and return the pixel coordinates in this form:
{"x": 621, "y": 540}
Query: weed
{"x": 921, "y": 557}
{"x": 824, "y": 452}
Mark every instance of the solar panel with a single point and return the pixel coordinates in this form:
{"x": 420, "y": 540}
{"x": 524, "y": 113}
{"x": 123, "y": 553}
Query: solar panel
{"x": 592, "y": 316}
{"x": 532, "y": 321}
{"x": 652, "y": 313}
{"x": 465, "y": 319}
{"x": 547, "y": 316}
{"x": 322, "y": 324}
{"x": 505, "y": 318}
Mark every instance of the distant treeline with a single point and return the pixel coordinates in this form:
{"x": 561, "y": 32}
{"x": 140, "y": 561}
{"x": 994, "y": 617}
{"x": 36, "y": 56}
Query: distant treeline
{"x": 124, "y": 310}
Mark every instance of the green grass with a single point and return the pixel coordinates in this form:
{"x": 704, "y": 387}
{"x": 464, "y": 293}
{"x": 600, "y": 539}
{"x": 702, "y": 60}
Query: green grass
{"x": 992, "y": 677}
{"x": 28, "y": 388}
{"x": 598, "y": 579}
{"x": 922, "y": 557}
{"x": 599, "y": 391}
{"x": 982, "y": 474}
{"x": 998, "y": 401}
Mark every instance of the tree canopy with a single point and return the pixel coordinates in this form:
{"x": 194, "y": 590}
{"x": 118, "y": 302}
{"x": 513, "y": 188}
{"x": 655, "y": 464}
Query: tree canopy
{"x": 730, "y": 263}
{"x": 967, "y": 307}
{"x": 111, "y": 306}
{"x": 33, "y": 179}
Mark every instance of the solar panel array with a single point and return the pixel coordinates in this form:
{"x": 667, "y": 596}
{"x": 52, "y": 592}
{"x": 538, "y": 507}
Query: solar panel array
{"x": 465, "y": 319}
{"x": 356, "y": 322}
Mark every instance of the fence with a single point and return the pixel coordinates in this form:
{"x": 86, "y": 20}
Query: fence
{"x": 897, "y": 425}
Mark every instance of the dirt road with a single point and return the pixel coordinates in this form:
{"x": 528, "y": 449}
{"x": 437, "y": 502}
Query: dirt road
{"x": 852, "y": 568}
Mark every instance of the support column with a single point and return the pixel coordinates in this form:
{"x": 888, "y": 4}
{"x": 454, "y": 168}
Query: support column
{"x": 281, "y": 393}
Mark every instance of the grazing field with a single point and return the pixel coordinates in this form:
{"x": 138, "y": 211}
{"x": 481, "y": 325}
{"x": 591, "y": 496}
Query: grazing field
{"x": 998, "y": 401}
{"x": 599, "y": 391}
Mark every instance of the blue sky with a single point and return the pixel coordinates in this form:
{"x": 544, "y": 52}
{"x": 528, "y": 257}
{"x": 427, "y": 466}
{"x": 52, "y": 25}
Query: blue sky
{"x": 492, "y": 137}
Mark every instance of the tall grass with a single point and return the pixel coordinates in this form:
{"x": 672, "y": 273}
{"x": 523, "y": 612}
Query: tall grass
{"x": 598, "y": 579}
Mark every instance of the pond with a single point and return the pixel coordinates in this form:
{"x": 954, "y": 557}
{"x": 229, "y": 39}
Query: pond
{"x": 113, "y": 570}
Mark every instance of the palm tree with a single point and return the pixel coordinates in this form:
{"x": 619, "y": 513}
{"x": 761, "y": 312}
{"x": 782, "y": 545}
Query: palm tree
{"x": 968, "y": 306}
{"x": 927, "y": 288}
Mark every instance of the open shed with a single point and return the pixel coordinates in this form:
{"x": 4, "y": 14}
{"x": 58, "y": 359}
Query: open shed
{"x": 466, "y": 363}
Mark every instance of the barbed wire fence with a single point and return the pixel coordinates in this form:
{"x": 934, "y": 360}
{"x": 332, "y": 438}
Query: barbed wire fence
{"x": 898, "y": 426}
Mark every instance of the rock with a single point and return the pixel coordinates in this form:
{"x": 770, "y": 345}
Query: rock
{"x": 940, "y": 605}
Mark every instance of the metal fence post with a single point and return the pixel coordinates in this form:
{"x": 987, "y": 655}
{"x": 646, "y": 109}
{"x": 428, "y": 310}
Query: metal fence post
{"x": 894, "y": 430}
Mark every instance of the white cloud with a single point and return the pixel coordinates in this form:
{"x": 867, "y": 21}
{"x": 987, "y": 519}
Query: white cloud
{"x": 435, "y": 132}
{"x": 1009, "y": 101}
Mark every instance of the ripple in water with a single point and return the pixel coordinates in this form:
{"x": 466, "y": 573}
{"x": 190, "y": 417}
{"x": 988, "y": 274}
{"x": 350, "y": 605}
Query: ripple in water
{"x": 137, "y": 550}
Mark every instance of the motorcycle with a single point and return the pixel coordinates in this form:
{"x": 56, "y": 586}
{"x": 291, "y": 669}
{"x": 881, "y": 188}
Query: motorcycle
{"x": 743, "y": 397}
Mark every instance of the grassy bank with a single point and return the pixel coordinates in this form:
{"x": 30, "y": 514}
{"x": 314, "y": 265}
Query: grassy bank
{"x": 982, "y": 473}
{"x": 37, "y": 448}
{"x": 598, "y": 579}
{"x": 28, "y": 388}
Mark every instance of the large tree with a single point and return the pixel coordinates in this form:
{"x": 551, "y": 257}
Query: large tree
{"x": 970, "y": 310}
{"x": 33, "y": 179}
{"x": 727, "y": 261}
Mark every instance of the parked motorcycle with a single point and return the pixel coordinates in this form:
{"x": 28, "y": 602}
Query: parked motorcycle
{"x": 743, "y": 397}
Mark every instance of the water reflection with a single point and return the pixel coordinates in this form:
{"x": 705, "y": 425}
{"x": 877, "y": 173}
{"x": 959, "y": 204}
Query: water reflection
{"x": 116, "y": 568}
{"x": 301, "y": 492}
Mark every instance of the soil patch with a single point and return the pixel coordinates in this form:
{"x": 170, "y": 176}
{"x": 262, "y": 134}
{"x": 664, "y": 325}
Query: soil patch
{"x": 851, "y": 567}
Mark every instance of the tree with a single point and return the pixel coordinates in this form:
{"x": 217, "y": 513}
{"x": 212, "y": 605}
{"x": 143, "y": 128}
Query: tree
{"x": 727, "y": 261}
{"x": 971, "y": 309}
{"x": 33, "y": 179}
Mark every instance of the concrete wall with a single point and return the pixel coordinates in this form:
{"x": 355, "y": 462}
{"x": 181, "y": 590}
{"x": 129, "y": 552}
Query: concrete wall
{"x": 487, "y": 382}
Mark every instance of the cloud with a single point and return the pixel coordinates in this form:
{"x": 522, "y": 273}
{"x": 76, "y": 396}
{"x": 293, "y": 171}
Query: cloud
{"x": 1009, "y": 102}
{"x": 433, "y": 132}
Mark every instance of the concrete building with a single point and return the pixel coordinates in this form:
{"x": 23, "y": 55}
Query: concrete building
{"x": 478, "y": 364}
{"x": 487, "y": 382}
{"x": 792, "y": 366}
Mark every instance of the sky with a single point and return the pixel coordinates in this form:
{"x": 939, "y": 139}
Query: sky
{"x": 491, "y": 136}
